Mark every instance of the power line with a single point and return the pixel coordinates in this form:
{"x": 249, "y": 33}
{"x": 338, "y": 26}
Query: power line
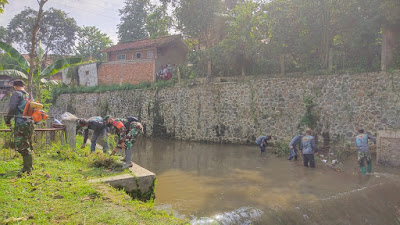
{"x": 57, "y": 3}
{"x": 97, "y": 1}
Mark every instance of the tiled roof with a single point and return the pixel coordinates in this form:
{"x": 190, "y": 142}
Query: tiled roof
{"x": 143, "y": 43}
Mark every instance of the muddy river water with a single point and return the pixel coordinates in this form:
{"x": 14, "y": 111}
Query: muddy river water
{"x": 236, "y": 184}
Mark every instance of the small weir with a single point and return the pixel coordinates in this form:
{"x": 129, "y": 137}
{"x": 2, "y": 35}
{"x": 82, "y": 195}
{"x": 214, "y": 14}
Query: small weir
{"x": 139, "y": 183}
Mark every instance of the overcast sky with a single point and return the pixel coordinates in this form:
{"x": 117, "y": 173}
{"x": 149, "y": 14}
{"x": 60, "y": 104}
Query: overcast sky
{"x": 100, "y": 13}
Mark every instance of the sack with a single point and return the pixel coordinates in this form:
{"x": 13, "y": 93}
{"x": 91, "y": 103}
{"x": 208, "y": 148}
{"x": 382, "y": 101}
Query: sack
{"x": 68, "y": 116}
{"x": 33, "y": 109}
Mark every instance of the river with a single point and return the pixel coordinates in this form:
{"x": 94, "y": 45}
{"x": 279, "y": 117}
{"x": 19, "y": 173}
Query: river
{"x": 212, "y": 183}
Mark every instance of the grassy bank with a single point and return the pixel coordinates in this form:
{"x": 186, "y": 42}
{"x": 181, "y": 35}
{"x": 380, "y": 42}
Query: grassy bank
{"x": 57, "y": 192}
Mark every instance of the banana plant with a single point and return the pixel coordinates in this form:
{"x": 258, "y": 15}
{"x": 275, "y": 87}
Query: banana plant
{"x": 21, "y": 70}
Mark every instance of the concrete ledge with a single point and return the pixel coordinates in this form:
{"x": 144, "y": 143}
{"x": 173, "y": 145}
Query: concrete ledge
{"x": 139, "y": 184}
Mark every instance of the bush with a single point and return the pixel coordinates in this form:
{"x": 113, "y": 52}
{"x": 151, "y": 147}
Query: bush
{"x": 281, "y": 148}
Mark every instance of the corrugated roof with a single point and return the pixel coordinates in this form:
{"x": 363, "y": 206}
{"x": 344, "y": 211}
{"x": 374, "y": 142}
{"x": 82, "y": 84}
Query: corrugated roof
{"x": 143, "y": 43}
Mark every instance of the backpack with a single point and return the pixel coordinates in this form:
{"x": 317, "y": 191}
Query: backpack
{"x": 131, "y": 119}
{"x": 33, "y": 109}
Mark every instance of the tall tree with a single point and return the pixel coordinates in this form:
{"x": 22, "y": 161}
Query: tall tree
{"x": 56, "y": 30}
{"x": 34, "y": 42}
{"x": 133, "y": 20}
{"x": 196, "y": 18}
{"x": 158, "y": 22}
{"x": 90, "y": 42}
{"x": 244, "y": 41}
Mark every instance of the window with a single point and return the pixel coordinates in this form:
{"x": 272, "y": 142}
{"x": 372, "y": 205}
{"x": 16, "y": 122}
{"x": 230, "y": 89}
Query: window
{"x": 149, "y": 54}
{"x": 138, "y": 55}
{"x": 121, "y": 57}
{"x": 87, "y": 73}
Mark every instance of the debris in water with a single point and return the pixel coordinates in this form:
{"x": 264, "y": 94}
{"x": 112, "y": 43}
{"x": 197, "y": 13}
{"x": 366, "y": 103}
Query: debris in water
{"x": 243, "y": 215}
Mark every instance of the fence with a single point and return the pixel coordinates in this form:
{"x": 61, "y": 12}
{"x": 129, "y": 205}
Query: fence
{"x": 42, "y": 140}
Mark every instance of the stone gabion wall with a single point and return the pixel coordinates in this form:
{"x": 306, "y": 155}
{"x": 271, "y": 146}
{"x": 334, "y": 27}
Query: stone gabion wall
{"x": 388, "y": 148}
{"x": 238, "y": 112}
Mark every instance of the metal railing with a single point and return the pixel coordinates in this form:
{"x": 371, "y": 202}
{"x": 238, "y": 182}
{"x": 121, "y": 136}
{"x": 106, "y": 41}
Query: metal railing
{"x": 42, "y": 140}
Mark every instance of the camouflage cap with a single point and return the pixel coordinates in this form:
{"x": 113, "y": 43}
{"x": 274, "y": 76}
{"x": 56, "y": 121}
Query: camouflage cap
{"x": 107, "y": 117}
{"x": 19, "y": 83}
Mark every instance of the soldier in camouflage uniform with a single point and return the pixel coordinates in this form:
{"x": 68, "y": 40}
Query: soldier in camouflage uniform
{"x": 127, "y": 136}
{"x": 363, "y": 151}
{"x": 23, "y": 128}
{"x": 97, "y": 124}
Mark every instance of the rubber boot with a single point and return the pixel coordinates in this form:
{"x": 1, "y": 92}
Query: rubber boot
{"x": 369, "y": 167}
{"x": 27, "y": 164}
{"x": 363, "y": 170}
{"x": 128, "y": 157}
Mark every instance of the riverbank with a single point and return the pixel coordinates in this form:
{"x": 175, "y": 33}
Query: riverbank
{"x": 58, "y": 192}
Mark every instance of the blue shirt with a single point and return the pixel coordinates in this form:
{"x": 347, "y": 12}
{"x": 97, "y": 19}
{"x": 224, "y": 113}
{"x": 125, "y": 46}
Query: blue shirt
{"x": 296, "y": 141}
{"x": 261, "y": 139}
{"x": 308, "y": 145}
{"x": 362, "y": 142}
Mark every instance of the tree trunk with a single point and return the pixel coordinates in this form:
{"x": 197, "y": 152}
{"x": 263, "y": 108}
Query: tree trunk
{"x": 34, "y": 42}
{"x": 390, "y": 41}
{"x": 330, "y": 60}
{"x": 282, "y": 62}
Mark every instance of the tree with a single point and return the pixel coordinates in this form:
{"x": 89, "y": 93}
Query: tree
{"x": 158, "y": 22}
{"x": 2, "y": 5}
{"x": 56, "y": 31}
{"x": 34, "y": 42}
{"x": 133, "y": 16}
{"x": 196, "y": 17}
{"x": 244, "y": 42}
{"x": 3, "y": 33}
{"x": 90, "y": 42}
{"x": 22, "y": 68}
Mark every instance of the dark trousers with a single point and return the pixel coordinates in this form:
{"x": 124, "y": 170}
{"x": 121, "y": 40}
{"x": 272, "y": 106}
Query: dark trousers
{"x": 262, "y": 147}
{"x": 309, "y": 158}
{"x": 103, "y": 135}
{"x": 293, "y": 153}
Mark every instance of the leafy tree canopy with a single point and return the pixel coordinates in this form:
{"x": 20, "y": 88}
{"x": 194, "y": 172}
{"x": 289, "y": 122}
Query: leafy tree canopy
{"x": 57, "y": 31}
{"x": 2, "y": 4}
{"x": 90, "y": 42}
{"x": 133, "y": 20}
{"x": 196, "y": 16}
{"x": 158, "y": 22}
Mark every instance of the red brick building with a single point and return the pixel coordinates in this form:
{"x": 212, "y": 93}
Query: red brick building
{"x": 138, "y": 61}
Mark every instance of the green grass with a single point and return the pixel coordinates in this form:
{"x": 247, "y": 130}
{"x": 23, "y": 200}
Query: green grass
{"x": 57, "y": 192}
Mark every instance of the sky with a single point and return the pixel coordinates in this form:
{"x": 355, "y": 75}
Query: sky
{"x": 102, "y": 14}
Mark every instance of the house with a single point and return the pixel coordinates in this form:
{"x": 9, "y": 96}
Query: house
{"x": 139, "y": 61}
{"x": 5, "y": 86}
